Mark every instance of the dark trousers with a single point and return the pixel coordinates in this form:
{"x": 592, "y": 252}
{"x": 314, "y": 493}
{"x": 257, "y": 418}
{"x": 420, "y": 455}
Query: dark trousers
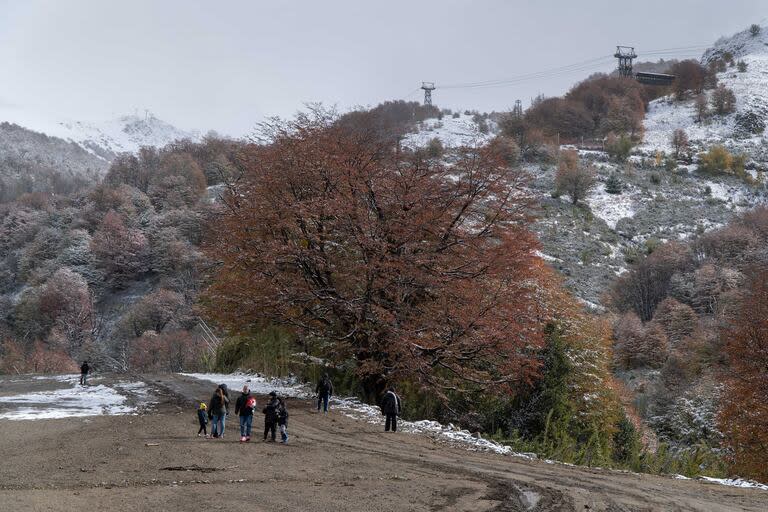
{"x": 203, "y": 429}
{"x": 270, "y": 426}
{"x": 322, "y": 400}
{"x": 83, "y": 378}
{"x": 391, "y": 421}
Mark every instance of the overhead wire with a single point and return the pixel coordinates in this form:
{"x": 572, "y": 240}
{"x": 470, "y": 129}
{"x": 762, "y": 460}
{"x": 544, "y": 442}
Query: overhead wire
{"x": 586, "y": 65}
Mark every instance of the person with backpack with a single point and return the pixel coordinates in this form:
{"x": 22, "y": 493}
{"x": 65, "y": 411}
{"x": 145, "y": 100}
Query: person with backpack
{"x": 270, "y": 416}
{"x": 324, "y": 391}
{"x": 390, "y": 407}
{"x": 84, "y": 369}
{"x": 202, "y": 418}
{"x": 282, "y": 420}
{"x": 244, "y": 409}
{"x": 218, "y": 409}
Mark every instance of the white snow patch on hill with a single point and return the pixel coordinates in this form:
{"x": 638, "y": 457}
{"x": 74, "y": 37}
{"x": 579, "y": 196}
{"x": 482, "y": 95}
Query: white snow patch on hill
{"x": 665, "y": 115}
{"x": 125, "y": 133}
{"x": 451, "y": 131}
{"x": 610, "y": 207}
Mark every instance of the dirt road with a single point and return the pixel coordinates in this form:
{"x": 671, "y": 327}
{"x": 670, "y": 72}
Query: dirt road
{"x": 333, "y": 463}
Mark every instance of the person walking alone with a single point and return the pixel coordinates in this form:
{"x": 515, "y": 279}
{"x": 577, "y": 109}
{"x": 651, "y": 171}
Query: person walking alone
{"x": 390, "y": 407}
{"x": 324, "y": 391}
{"x": 84, "y": 369}
{"x": 244, "y": 409}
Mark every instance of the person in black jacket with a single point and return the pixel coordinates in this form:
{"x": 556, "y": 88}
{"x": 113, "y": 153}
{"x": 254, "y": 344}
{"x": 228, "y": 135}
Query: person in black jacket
{"x": 270, "y": 416}
{"x": 282, "y": 420}
{"x": 324, "y": 391}
{"x": 84, "y": 369}
{"x": 218, "y": 408}
{"x": 390, "y": 407}
{"x": 244, "y": 409}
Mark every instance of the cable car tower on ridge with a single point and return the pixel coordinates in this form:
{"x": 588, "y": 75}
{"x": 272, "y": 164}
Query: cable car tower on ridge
{"x": 625, "y": 54}
{"x": 428, "y": 88}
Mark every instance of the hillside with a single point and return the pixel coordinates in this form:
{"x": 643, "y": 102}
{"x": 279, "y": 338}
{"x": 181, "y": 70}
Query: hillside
{"x": 38, "y": 154}
{"x": 105, "y": 138}
{"x": 666, "y": 200}
{"x": 740, "y": 131}
{"x": 35, "y": 162}
{"x": 592, "y": 246}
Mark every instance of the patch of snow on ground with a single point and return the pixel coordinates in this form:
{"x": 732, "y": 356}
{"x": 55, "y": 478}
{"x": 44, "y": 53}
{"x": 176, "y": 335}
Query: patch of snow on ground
{"x": 610, "y": 207}
{"x": 354, "y": 408}
{"x": 452, "y": 132}
{"x": 546, "y": 257}
{"x": 75, "y": 401}
{"x": 724, "y": 192}
{"x": 736, "y": 482}
{"x": 259, "y": 385}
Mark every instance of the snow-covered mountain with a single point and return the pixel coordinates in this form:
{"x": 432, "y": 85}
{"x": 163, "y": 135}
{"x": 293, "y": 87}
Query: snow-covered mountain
{"x": 739, "y": 131}
{"x": 123, "y": 134}
{"x": 40, "y": 154}
{"x": 104, "y": 139}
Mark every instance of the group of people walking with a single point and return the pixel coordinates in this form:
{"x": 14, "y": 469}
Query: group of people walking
{"x": 275, "y": 411}
{"x": 216, "y": 411}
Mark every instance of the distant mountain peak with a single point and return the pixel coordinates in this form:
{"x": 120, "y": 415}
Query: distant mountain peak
{"x": 126, "y": 133}
{"x": 104, "y": 139}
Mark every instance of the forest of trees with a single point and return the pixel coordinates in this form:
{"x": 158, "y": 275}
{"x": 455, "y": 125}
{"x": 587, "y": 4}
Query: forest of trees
{"x": 110, "y": 273}
{"x": 695, "y": 312}
{"x": 597, "y": 107}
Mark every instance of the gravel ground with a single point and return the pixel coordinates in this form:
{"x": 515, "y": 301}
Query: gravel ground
{"x": 154, "y": 461}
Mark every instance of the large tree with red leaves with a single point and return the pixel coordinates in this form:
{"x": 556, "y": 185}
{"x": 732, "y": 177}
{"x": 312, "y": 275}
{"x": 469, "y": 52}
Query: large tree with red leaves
{"x": 412, "y": 267}
{"x": 744, "y": 415}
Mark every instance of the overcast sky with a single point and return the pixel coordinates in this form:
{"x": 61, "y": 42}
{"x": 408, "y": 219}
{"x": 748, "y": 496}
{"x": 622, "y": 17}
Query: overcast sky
{"x": 224, "y": 65}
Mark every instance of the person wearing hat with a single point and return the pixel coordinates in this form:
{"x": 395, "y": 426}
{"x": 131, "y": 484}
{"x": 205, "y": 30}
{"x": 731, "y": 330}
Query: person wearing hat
{"x": 271, "y": 416}
{"x": 202, "y": 418}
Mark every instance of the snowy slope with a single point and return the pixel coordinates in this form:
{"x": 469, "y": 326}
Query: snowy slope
{"x": 102, "y": 138}
{"x": 123, "y": 134}
{"x": 751, "y": 89}
{"x": 451, "y": 131}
